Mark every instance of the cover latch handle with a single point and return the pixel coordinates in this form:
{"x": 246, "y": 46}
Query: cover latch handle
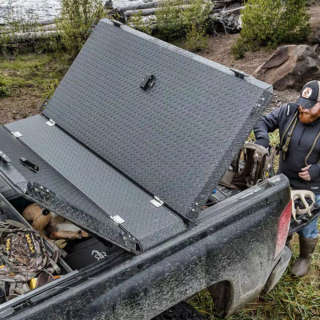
{"x": 148, "y": 82}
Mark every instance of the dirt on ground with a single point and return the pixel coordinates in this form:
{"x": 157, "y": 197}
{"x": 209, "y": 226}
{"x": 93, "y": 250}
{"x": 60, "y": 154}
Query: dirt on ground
{"x": 26, "y": 103}
{"x": 220, "y": 47}
{"x": 315, "y": 17}
{"x": 29, "y": 100}
{"x": 219, "y": 51}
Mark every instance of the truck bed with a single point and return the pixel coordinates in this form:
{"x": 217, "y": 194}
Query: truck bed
{"x": 234, "y": 242}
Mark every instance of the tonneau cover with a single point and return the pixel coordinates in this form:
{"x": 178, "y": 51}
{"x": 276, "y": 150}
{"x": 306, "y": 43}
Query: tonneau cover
{"x": 174, "y": 139}
{"x": 133, "y": 119}
{"x": 89, "y": 184}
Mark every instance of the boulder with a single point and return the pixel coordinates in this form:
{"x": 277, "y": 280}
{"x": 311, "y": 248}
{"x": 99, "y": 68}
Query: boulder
{"x": 315, "y": 36}
{"x": 290, "y": 67}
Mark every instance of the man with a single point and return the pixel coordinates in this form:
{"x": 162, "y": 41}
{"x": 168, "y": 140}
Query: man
{"x": 299, "y": 127}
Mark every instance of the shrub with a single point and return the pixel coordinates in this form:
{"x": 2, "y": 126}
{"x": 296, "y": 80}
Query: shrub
{"x": 4, "y": 89}
{"x": 176, "y": 20}
{"x": 77, "y": 18}
{"x": 15, "y": 23}
{"x": 271, "y": 22}
{"x": 196, "y": 38}
{"x": 239, "y": 49}
{"x": 137, "y": 22}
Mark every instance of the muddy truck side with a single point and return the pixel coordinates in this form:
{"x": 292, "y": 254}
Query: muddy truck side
{"x": 236, "y": 251}
{"x": 123, "y": 168}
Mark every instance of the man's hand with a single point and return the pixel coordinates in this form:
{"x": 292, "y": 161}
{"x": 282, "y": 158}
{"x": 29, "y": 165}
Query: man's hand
{"x": 304, "y": 173}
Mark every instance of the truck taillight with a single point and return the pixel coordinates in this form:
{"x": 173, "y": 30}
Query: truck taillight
{"x": 283, "y": 228}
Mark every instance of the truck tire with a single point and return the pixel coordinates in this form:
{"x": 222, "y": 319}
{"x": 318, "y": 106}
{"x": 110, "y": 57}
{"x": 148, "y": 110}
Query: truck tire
{"x": 181, "y": 311}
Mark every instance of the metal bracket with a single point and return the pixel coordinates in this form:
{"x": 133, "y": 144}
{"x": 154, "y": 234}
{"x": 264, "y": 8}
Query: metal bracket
{"x": 116, "y": 23}
{"x": 157, "y": 202}
{"x": 51, "y": 123}
{"x": 117, "y": 219}
{"x": 239, "y": 74}
{"x": 17, "y": 134}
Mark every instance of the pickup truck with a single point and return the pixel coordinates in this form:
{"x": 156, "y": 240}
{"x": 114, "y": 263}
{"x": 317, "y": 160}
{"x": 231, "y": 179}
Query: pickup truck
{"x": 130, "y": 148}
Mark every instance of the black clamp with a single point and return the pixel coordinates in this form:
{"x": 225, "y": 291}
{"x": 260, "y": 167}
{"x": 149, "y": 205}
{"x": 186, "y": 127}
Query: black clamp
{"x": 148, "y": 82}
{"x": 239, "y": 74}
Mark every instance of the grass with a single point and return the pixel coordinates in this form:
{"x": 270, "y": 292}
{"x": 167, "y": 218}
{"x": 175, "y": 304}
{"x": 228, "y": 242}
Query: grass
{"x": 37, "y": 72}
{"x": 291, "y": 299}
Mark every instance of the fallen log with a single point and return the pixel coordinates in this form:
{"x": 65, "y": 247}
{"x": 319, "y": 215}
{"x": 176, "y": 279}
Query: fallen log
{"x": 230, "y": 20}
{"x": 50, "y": 27}
{"x": 149, "y": 22}
{"x": 140, "y": 4}
{"x": 152, "y": 11}
{"x": 27, "y": 36}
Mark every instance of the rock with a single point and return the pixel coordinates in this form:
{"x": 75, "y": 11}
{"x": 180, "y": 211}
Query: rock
{"x": 315, "y": 37}
{"x": 290, "y": 67}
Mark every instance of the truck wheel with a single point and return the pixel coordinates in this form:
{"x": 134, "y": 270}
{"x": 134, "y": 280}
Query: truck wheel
{"x": 181, "y": 311}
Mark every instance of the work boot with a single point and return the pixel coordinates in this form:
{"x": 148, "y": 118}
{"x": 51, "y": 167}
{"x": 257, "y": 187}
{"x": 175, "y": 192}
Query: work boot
{"x": 302, "y": 265}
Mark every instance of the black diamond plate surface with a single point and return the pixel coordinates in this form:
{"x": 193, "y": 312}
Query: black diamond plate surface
{"x": 107, "y": 188}
{"x": 97, "y": 220}
{"x": 175, "y": 139}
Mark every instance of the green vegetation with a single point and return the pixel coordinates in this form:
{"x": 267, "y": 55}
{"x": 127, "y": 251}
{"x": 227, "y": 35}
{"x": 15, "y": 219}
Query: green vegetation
{"x": 12, "y": 41}
{"x": 179, "y": 20}
{"x": 77, "y": 19}
{"x": 40, "y": 73}
{"x": 4, "y": 87}
{"x": 176, "y": 20}
{"x": 270, "y": 23}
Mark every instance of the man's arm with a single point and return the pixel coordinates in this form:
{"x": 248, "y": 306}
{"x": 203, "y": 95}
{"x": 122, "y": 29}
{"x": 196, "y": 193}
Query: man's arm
{"x": 268, "y": 123}
{"x": 314, "y": 172}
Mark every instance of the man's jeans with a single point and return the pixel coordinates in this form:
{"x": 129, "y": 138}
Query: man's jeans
{"x": 311, "y": 230}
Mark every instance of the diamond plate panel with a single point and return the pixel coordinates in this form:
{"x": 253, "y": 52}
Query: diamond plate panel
{"x": 102, "y": 184}
{"x": 47, "y": 176}
{"x": 175, "y": 139}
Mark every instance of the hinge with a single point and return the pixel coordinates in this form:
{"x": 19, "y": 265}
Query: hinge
{"x": 117, "y": 219}
{"x": 157, "y": 202}
{"x": 4, "y": 158}
{"x": 116, "y": 23}
{"x": 16, "y": 134}
{"x": 51, "y": 123}
{"x": 239, "y": 74}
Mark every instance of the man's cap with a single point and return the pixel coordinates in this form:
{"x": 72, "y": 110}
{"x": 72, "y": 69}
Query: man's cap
{"x": 310, "y": 94}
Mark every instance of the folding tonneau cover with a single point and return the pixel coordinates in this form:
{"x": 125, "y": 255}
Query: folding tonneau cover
{"x": 133, "y": 119}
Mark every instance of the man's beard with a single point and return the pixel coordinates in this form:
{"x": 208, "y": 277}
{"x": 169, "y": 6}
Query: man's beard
{"x": 307, "y": 116}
